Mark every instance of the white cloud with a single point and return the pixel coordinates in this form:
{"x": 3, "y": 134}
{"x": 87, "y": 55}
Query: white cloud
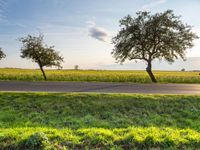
{"x": 153, "y": 3}
{"x": 98, "y": 33}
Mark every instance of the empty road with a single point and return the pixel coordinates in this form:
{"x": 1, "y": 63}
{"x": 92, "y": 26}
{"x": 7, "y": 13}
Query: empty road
{"x": 99, "y": 87}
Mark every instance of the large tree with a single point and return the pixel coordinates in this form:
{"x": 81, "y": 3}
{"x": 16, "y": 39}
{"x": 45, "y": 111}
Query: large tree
{"x": 2, "y": 55}
{"x": 152, "y": 36}
{"x": 45, "y": 56}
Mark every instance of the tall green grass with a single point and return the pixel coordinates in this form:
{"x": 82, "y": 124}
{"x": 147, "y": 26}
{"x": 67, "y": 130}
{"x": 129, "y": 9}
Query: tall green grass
{"x": 135, "y": 138}
{"x": 98, "y": 110}
{"x": 34, "y": 121}
{"x": 99, "y": 76}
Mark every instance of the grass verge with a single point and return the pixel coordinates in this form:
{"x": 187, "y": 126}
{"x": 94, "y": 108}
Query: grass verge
{"x": 99, "y": 138}
{"x": 98, "y": 110}
{"x": 98, "y": 121}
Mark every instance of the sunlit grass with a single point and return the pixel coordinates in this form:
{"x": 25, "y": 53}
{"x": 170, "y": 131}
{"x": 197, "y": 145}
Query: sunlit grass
{"x": 99, "y": 76}
{"x": 98, "y": 121}
{"x": 98, "y": 138}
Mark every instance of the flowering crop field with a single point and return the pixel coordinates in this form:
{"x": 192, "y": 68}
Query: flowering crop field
{"x": 99, "y": 76}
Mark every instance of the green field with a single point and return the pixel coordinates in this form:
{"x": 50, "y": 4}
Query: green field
{"x": 99, "y": 121}
{"x": 99, "y": 76}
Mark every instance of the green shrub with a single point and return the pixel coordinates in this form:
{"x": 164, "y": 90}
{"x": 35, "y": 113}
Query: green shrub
{"x": 37, "y": 141}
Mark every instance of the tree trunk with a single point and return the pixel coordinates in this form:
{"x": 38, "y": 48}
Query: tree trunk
{"x": 44, "y": 75}
{"x": 150, "y": 73}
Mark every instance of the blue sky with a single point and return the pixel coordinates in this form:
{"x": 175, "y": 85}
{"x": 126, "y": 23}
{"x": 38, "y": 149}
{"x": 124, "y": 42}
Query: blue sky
{"x": 81, "y": 29}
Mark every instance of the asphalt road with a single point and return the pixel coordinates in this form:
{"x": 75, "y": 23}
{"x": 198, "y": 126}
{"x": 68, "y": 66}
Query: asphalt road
{"x": 100, "y": 87}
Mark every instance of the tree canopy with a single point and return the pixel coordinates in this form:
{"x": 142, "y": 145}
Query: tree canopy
{"x": 2, "y": 54}
{"x": 45, "y": 56}
{"x": 152, "y": 36}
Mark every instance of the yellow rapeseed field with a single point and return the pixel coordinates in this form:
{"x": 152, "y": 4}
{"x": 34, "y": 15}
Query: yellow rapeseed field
{"x": 100, "y": 76}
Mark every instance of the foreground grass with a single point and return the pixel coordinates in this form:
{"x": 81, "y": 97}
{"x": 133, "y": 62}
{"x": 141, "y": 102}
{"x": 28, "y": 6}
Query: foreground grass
{"x": 98, "y": 110}
{"x": 99, "y": 138}
{"x": 99, "y": 76}
{"x": 98, "y": 121}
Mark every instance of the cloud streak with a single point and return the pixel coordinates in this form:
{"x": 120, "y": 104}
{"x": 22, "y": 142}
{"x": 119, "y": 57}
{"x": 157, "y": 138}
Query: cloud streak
{"x": 2, "y": 9}
{"x": 98, "y": 33}
{"x": 153, "y": 3}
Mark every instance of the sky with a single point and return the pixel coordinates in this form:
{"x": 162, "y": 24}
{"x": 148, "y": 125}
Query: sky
{"x": 82, "y": 30}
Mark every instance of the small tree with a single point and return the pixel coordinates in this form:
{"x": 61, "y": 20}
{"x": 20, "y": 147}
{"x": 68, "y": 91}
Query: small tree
{"x": 148, "y": 37}
{"x": 76, "y": 67}
{"x": 183, "y": 69}
{"x": 2, "y": 55}
{"x": 34, "y": 48}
